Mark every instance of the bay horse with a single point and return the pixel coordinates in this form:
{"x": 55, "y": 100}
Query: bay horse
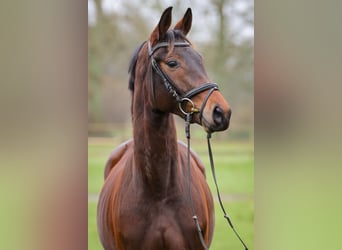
{"x": 144, "y": 202}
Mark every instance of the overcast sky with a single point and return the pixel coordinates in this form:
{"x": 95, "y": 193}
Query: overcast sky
{"x": 237, "y": 25}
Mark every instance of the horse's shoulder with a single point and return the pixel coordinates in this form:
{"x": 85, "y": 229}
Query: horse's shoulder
{"x": 194, "y": 156}
{"x": 116, "y": 155}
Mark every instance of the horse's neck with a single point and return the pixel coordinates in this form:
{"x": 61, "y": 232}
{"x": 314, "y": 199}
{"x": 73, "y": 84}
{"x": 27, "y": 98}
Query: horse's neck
{"x": 155, "y": 147}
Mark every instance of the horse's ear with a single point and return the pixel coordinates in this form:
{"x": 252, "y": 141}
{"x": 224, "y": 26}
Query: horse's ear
{"x": 162, "y": 27}
{"x": 185, "y": 23}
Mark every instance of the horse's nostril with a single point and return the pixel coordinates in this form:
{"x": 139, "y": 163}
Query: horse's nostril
{"x": 221, "y": 119}
{"x": 218, "y": 115}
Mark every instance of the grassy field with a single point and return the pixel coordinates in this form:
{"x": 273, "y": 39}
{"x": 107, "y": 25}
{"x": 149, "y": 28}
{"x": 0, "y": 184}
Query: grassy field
{"x": 234, "y": 164}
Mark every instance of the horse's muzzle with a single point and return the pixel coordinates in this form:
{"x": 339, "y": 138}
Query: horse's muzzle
{"x": 217, "y": 119}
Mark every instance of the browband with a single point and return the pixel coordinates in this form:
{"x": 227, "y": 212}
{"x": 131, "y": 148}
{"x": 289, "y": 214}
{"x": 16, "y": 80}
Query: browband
{"x": 164, "y": 44}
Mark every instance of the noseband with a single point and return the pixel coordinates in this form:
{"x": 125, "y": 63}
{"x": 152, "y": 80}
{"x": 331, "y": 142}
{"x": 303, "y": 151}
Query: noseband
{"x": 172, "y": 88}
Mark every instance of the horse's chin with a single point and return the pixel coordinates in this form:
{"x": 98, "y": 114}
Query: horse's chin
{"x": 211, "y": 127}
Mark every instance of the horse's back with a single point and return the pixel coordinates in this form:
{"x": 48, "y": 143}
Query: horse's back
{"x": 118, "y": 154}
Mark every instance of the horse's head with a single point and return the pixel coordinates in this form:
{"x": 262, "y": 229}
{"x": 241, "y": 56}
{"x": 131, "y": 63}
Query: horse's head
{"x": 178, "y": 82}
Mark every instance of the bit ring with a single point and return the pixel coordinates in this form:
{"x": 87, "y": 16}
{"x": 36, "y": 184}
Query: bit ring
{"x": 193, "y": 108}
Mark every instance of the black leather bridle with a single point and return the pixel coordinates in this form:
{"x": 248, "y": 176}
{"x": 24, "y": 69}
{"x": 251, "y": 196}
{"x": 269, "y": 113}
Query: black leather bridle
{"x": 174, "y": 91}
{"x": 171, "y": 86}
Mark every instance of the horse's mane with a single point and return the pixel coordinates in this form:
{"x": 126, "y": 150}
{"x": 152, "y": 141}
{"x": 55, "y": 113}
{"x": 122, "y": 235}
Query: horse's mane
{"x": 132, "y": 65}
{"x": 171, "y": 36}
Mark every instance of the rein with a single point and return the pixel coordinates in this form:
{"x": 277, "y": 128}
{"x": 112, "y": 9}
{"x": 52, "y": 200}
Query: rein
{"x": 172, "y": 89}
{"x": 212, "y": 166}
{"x": 225, "y": 215}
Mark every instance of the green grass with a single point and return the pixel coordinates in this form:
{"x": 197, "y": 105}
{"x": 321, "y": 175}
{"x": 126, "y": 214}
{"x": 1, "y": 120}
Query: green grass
{"x": 93, "y": 239}
{"x": 234, "y": 164}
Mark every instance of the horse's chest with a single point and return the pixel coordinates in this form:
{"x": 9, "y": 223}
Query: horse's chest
{"x": 158, "y": 226}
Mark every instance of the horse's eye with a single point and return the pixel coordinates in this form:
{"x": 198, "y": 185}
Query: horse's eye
{"x": 172, "y": 64}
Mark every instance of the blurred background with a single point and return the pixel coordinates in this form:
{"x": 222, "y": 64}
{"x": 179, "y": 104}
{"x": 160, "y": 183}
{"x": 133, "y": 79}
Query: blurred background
{"x": 44, "y": 173}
